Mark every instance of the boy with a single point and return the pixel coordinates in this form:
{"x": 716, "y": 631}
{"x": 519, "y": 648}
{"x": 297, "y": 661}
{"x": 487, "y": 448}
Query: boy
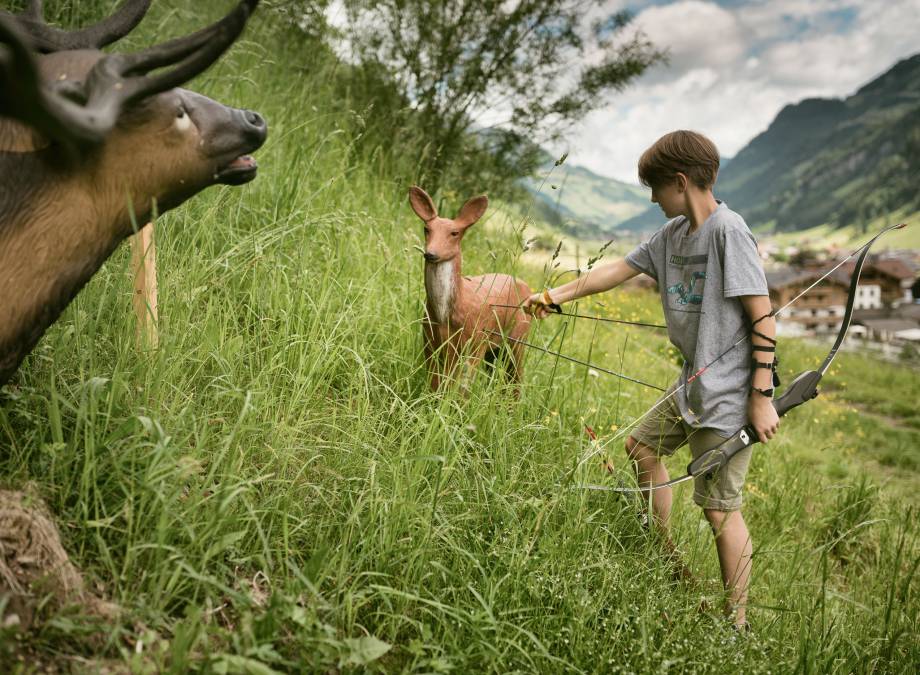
{"x": 713, "y": 289}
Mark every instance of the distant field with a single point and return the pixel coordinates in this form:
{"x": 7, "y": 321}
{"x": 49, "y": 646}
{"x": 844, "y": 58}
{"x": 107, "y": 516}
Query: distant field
{"x": 853, "y": 236}
{"x": 544, "y": 239}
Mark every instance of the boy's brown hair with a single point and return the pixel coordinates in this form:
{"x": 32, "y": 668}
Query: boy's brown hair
{"x": 687, "y": 152}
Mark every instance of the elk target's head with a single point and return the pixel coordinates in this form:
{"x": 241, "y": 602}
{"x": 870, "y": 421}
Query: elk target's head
{"x": 122, "y": 122}
{"x": 443, "y": 235}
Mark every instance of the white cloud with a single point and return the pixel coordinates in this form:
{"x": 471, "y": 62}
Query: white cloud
{"x": 733, "y": 68}
{"x": 696, "y": 33}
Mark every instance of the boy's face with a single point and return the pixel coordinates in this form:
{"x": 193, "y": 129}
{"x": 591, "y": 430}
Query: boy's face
{"x": 670, "y": 196}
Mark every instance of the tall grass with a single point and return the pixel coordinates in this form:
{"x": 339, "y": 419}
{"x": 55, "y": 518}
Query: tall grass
{"x": 275, "y": 488}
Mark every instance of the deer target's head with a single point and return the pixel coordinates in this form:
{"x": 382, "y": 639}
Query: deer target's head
{"x": 443, "y": 235}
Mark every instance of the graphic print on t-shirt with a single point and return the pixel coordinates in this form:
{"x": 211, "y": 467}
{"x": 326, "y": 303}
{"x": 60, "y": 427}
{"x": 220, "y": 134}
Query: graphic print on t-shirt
{"x": 690, "y": 290}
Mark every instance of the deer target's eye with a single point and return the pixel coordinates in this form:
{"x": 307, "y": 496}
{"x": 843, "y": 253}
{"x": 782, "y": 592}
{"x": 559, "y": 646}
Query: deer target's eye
{"x": 454, "y": 233}
{"x": 427, "y": 230}
{"x": 183, "y": 121}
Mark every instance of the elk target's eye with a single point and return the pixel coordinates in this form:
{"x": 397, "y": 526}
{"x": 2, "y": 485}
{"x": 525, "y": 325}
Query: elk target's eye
{"x": 454, "y": 233}
{"x": 183, "y": 121}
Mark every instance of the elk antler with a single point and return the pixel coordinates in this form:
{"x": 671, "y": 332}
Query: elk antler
{"x": 78, "y": 114}
{"x": 47, "y": 39}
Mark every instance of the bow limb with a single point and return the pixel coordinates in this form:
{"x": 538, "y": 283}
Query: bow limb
{"x": 620, "y": 489}
{"x": 851, "y": 297}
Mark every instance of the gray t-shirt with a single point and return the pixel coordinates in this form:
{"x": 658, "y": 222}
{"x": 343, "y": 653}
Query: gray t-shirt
{"x": 700, "y": 278}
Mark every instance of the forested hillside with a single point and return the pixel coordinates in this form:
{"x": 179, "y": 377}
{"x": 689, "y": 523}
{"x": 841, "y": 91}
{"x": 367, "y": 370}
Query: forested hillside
{"x": 833, "y": 161}
{"x": 275, "y": 488}
{"x": 582, "y": 203}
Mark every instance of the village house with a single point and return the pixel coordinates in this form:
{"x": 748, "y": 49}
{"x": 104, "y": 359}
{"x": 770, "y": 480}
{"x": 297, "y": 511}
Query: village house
{"x": 893, "y": 276}
{"x": 883, "y": 303}
{"x": 818, "y": 311}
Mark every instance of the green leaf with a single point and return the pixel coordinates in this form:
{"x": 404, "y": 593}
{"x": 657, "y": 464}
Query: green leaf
{"x": 232, "y": 663}
{"x": 364, "y": 650}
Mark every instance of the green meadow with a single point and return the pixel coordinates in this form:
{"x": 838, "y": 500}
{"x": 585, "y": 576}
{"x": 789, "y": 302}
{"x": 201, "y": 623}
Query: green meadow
{"x": 275, "y": 489}
{"x": 851, "y": 237}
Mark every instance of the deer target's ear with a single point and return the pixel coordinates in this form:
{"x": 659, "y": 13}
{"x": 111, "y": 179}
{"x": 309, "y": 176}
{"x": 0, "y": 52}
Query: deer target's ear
{"x": 422, "y": 204}
{"x": 472, "y": 211}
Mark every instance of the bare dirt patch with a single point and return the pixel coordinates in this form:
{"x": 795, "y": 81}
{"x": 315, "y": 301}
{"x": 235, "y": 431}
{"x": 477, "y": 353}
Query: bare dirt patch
{"x": 35, "y": 570}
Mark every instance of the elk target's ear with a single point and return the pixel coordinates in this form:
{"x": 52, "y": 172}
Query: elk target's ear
{"x": 472, "y": 211}
{"x": 422, "y": 204}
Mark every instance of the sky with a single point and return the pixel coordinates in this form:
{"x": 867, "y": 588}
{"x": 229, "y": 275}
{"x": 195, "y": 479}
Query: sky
{"x": 735, "y": 64}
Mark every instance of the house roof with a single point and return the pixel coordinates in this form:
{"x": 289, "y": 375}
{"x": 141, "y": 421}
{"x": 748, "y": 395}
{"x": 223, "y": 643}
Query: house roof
{"x": 897, "y": 268}
{"x": 891, "y": 325}
{"x": 903, "y": 312}
{"x": 780, "y": 277}
{"x": 908, "y": 310}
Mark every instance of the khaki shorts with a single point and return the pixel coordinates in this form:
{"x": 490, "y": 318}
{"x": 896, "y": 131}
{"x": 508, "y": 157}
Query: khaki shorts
{"x": 664, "y": 431}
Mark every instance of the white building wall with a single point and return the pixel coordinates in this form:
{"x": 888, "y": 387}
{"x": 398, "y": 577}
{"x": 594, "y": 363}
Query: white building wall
{"x": 868, "y": 297}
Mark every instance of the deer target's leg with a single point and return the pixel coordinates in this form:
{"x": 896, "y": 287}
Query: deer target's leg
{"x": 443, "y": 365}
{"x": 471, "y": 364}
{"x": 432, "y": 366}
{"x": 515, "y": 366}
{"x": 516, "y": 363}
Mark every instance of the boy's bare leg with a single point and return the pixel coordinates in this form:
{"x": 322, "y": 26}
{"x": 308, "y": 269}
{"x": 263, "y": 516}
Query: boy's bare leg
{"x": 733, "y": 543}
{"x": 650, "y": 470}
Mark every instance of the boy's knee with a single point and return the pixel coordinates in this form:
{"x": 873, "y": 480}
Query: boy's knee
{"x": 714, "y": 516}
{"x": 717, "y": 519}
{"x": 630, "y": 445}
{"x": 636, "y": 450}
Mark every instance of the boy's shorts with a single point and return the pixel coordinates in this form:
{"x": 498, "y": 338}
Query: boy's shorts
{"x": 664, "y": 431}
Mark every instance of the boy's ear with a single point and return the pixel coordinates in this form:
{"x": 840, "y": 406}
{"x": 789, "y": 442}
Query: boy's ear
{"x": 472, "y": 211}
{"x": 422, "y": 204}
{"x": 681, "y": 181}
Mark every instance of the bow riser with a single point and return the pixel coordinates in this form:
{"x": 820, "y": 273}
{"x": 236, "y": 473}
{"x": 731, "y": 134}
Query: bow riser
{"x": 802, "y": 389}
{"x": 713, "y": 460}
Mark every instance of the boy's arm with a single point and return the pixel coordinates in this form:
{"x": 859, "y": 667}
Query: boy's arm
{"x": 761, "y": 413}
{"x": 596, "y": 280}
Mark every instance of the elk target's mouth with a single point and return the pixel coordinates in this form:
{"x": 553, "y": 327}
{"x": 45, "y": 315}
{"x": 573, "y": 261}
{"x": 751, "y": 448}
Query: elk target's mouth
{"x": 241, "y": 170}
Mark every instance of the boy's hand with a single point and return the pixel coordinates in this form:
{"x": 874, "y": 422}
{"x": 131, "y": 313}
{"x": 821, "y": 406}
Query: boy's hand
{"x": 538, "y": 304}
{"x": 763, "y": 416}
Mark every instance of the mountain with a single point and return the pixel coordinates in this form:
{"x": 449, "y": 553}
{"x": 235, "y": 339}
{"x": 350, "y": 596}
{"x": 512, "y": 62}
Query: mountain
{"x": 650, "y": 219}
{"x": 836, "y": 161}
{"x": 583, "y": 203}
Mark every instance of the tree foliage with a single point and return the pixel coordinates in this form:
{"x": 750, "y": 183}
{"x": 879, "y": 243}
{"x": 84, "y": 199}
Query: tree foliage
{"x": 488, "y": 79}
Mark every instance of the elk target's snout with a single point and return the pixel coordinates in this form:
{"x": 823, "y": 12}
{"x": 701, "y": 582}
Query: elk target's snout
{"x": 251, "y": 130}
{"x": 431, "y": 257}
{"x": 254, "y": 126}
